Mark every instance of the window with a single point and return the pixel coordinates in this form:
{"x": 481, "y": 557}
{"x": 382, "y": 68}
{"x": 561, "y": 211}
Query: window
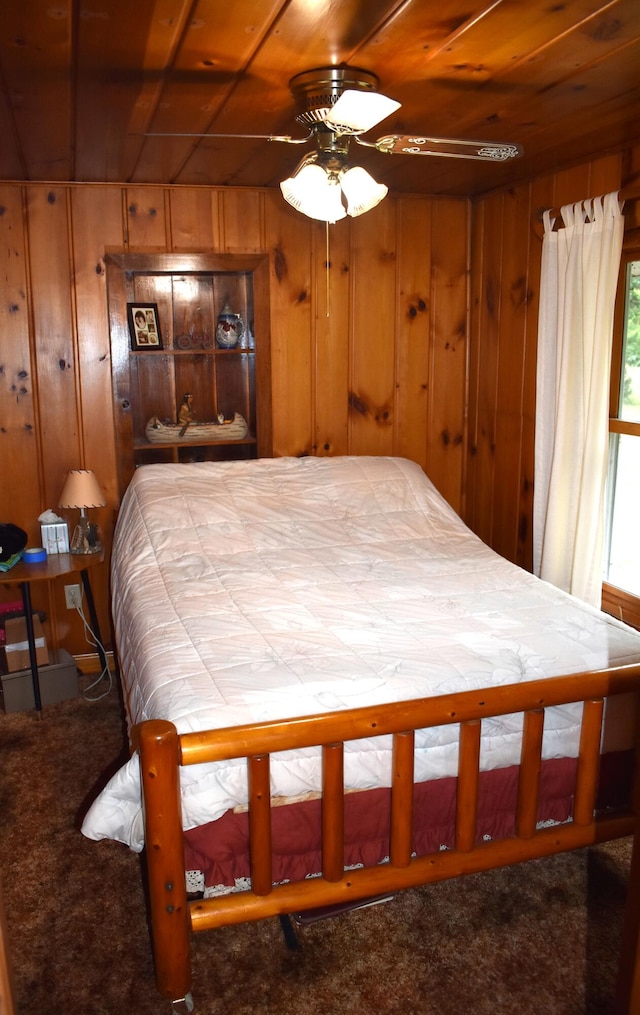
{"x": 622, "y": 542}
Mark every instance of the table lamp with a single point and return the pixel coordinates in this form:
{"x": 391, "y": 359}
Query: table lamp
{"x": 81, "y": 490}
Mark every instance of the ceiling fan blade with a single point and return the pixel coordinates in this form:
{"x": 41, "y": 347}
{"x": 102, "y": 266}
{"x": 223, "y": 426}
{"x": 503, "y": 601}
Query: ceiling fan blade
{"x": 356, "y": 112}
{"x": 251, "y": 137}
{"x": 451, "y": 148}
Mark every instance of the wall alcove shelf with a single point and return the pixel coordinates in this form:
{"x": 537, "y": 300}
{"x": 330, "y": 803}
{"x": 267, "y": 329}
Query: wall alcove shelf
{"x": 188, "y": 292}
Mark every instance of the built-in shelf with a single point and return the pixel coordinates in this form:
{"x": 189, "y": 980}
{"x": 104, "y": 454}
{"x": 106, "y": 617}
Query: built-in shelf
{"x": 192, "y": 352}
{"x": 189, "y": 292}
{"x": 142, "y": 445}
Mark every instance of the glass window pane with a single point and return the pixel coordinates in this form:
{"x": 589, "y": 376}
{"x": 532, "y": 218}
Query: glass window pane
{"x": 630, "y": 388}
{"x": 622, "y": 550}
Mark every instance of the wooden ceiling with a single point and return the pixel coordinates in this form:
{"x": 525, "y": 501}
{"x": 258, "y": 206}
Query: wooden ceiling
{"x": 83, "y": 83}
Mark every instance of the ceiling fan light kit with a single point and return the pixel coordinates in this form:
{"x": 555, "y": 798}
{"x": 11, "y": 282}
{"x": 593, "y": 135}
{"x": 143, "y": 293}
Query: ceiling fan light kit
{"x": 323, "y": 187}
{"x": 339, "y": 104}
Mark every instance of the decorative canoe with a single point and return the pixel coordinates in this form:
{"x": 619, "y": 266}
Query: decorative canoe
{"x": 158, "y": 432}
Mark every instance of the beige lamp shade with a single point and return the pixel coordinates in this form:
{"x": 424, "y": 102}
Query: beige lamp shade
{"x": 81, "y": 490}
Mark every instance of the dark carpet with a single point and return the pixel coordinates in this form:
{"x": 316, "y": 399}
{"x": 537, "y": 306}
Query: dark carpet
{"x": 542, "y": 937}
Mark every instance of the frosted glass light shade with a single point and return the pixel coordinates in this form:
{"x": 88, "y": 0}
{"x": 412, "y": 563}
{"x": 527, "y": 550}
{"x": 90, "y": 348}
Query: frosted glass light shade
{"x": 361, "y": 191}
{"x": 358, "y": 111}
{"x": 314, "y": 193}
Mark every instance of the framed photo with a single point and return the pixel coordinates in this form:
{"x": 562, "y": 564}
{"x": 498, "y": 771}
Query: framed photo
{"x": 144, "y": 327}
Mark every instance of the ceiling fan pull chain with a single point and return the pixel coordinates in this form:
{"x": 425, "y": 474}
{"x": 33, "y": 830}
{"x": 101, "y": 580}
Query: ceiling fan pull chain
{"x": 327, "y": 266}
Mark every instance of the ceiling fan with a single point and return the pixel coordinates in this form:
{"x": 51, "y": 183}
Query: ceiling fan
{"x": 338, "y": 105}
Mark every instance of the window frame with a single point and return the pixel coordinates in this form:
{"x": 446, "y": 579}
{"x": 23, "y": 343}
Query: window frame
{"x": 616, "y": 601}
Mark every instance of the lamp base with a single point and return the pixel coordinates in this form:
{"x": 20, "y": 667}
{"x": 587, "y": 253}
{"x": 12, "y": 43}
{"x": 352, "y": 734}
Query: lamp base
{"x": 85, "y": 537}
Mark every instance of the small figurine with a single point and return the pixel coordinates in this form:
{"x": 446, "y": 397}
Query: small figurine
{"x": 185, "y": 412}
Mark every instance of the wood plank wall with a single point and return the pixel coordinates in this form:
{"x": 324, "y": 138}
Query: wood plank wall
{"x": 506, "y": 250}
{"x": 368, "y": 341}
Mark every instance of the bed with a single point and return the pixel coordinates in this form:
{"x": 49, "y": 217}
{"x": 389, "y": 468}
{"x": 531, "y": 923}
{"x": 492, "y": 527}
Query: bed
{"x": 335, "y": 691}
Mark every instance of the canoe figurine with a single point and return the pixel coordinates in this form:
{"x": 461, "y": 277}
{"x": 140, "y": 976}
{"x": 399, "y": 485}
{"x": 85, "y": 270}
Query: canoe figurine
{"x": 188, "y": 429}
{"x": 163, "y": 432}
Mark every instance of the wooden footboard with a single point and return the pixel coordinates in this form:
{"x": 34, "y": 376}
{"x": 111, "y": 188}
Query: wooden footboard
{"x": 163, "y": 751}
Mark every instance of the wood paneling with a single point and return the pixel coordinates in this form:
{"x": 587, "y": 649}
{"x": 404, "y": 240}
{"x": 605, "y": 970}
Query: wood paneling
{"x": 19, "y": 403}
{"x": 414, "y": 315}
{"x": 288, "y": 237}
{"x": 194, "y": 220}
{"x": 56, "y": 351}
{"x": 131, "y": 93}
{"x": 241, "y": 221}
{"x": 332, "y": 300}
{"x": 146, "y": 218}
{"x": 35, "y": 35}
{"x": 449, "y": 302}
{"x": 367, "y": 352}
{"x": 373, "y": 281}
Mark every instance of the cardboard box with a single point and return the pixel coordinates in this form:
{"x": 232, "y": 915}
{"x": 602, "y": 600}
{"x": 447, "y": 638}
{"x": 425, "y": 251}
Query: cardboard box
{"x": 16, "y": 646}
{"x": 55, "y": 537}
{"x": 58, "y": 682}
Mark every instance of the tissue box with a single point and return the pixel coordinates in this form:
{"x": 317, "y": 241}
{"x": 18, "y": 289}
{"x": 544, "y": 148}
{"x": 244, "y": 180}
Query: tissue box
{"x": 55, "y": 537}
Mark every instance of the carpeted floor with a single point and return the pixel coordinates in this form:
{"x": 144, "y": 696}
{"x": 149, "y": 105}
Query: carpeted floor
{"x": 539, "y": 938}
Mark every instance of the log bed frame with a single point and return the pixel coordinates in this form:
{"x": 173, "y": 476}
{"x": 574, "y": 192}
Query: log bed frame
{"x": 162, "y": 752}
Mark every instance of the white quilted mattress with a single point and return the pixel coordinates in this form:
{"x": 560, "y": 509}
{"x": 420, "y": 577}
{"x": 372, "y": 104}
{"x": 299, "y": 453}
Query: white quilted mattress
{"x": 245, "y": 591}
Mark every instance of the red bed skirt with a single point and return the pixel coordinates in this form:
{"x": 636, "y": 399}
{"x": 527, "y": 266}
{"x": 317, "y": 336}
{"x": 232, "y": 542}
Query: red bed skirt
{"x": 220, "y": 849}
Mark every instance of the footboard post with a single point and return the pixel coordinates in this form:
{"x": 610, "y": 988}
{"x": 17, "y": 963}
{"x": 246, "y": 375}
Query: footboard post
{"x": 627, "y": 997}
{"x": 160, "y": 773}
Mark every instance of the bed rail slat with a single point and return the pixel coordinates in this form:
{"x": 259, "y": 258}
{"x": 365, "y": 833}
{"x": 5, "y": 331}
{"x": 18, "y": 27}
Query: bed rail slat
{"x": 529, "y": 778}
{"x": 468, "y": 782}
{"x": 402, "y": 799}
{"x": 332, "y": 812}
{"x": 260, "y": 824}
{"x": 588, "y": 761}
{"x": 372, "y": 881}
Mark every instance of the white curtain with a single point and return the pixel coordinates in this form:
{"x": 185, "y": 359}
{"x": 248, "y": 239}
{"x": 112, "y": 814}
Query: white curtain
{"x": 580, "y": 265}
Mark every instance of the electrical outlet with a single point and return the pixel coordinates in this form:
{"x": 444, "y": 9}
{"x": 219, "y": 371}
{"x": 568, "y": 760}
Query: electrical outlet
{"x": 73, "y": 597}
